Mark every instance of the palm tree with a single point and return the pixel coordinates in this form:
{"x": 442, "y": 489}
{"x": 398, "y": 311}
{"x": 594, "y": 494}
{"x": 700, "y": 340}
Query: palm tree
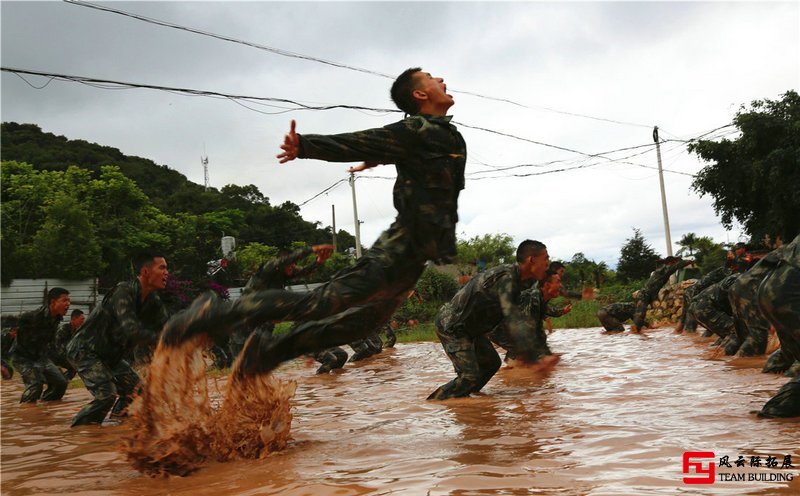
{"x": 688, "y": 242}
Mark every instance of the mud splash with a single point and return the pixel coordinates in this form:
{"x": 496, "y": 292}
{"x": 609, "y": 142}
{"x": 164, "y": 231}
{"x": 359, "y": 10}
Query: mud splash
{"x": 176, "y": 426}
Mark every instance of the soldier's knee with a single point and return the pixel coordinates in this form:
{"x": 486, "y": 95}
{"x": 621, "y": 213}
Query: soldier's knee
{"x": 32, "y": 393}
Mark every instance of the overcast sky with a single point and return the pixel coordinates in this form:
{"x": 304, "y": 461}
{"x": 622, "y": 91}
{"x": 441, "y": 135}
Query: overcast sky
{"x": 685, "y": 67}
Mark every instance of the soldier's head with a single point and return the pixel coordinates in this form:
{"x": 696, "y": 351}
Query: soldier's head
{"x": 152, "y": 269}
{"x": 558, "y": 268}
{"x": 739, "y": 249}
{"x": 533, "y": 260}
{"x": 551, "y": 284}
{"x": 76, "y": 319}
{"x": 58, "y": 302}
{"x": 416, "y": 92}
{"x": 289, "y": 269}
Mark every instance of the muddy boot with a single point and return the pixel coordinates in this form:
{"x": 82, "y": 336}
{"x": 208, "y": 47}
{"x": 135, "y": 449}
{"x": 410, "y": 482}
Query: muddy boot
{"x": 747, "y": 349}
{"x": 731, "y": 345}
{"x": 361, "y": 350}
{"x": 784, "y": 404}
{"x": 120, "y": 408}
{"x": 707, "y": 333}
{"x": 777, "y": 363}
{"x": 718, "y": 341}
{"x": 794, "y": 370}
{"x": 332, "y": 358}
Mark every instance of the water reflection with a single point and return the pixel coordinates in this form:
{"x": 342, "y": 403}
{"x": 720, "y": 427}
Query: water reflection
{"x": 614, "y": 417}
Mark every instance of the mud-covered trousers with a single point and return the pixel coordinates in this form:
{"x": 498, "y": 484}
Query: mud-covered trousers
{"x": 474, "y": 359}
{"x": 111, "y": 385}
{"x": 35, "y": 374}
{"x": 779, "y": 301}
{"x": 612, "y": 316}
{"x": 752, "y": 328}
{"x": 356, "y": 302}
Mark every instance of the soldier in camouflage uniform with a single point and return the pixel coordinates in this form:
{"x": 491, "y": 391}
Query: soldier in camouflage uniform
{"x": 31, "y": 349}
{"x": 430, "y": 155}
{"x": 131, "y": 313}
{"x": 7, "y": 338}
{"x": 658, "y": 278}
{"x": 712, "y": 309}
{"x": 274, "y": 274}
{"x": 489, "y": 299}
{"x": 779, "y": 301}
{"x": 534, "y": 302}
{"x": 687, "y": 321}
{"x": 752, "y": 328}
{"x": 612, "y": 316}
{"x": 58, "y": 349}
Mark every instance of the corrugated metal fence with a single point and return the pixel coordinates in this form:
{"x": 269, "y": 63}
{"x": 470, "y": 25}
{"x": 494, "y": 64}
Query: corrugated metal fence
{"x": 23, "y": 295}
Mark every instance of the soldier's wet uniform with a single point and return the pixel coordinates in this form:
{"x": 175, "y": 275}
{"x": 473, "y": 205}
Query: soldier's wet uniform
{"x": 650, "y": 291}
{"x": 270, "y": 275}
{"x": 687, "y": 317}
{"x": 614, "y": 315}
{"x": 7, "y": 338}
{"x": 58, "y": 349}
{"x": 430, "y": 156}
{"x": 532, "y": 303}
{"x": 752, "y": 328}
{"x": 779, "y": 301}
{"x": 712, "y": 308}
{"x": 462, "y": 325}
{"x": 31, "y": 354}
{"x": 98, "y": 349}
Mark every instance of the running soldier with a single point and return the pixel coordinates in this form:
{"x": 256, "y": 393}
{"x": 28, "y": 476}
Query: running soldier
{"x": 430, "y": 155}
{"x": 779, "y": 300}
{"x": 130, "y": 314}
{"x": 31, "y": 349}
{"x": 650, "y": 291}
{"x": 489, "y": 299}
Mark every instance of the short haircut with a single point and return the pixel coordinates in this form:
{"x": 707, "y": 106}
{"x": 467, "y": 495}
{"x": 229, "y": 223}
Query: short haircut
{"x": 529, "y": 248}
{"x": 145, "y": 259}
{"x": 401, "y": 91}
{"x": 76, "y": 313}
{"x": 740, "y": 245}
{"x": 554, "y": 266}
{"x": 56, "y": 293}
{"x": 551, "y": 272}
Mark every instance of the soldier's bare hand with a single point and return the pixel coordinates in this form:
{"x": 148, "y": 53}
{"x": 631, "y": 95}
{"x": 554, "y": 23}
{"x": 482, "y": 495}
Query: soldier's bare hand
{"x": 323, "y": 252}
{"x": 567, "y": 309}
{"x": 363, "y": 167}
{"x": 290, "y": 146}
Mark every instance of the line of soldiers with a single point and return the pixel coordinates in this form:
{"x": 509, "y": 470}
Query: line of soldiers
{"x": 739, "y": 303}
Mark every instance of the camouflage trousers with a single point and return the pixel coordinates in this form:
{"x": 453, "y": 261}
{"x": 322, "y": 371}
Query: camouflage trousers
{"x": 356, "y": 302}
{"x": 779, "y": 300}
{"x": 711, "y": 317}
{"x": 240, "y": 334}
{"x": 61, "y": 361}
{"x": 474, "y": 359}
{"x": 364, "y": 348}
{"x": 752, "y": 328}
{"x": 35, "y": 374}
{"x": 112, "y": 386}
{"x": 640, "y": 311}
{"x": 612, "y": 316}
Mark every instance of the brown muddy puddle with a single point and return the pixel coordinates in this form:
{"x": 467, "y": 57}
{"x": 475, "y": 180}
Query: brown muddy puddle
{"x": 614, "y": 417}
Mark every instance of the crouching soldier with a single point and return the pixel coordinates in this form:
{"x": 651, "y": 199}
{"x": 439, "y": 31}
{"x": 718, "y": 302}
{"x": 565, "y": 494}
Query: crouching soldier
{"x": 612, "y": 316}
{"x": 130, "y": 314}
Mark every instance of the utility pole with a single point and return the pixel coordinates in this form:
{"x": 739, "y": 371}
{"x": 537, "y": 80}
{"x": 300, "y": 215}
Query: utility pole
{"x": 663, "y": 193}
{"x": 333, "y": 217}
{"x": 355, "y": 215}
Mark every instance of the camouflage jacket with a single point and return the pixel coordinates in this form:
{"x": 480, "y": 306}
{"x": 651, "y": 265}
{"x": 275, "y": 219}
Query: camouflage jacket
{"x": 661, "y": 275}
{"x": 58, "y": 347}
{"x": 35, "y": 332}
{"x": 532, "y": 303}
{"x": 272, "y": 273}
{"x": 120, "y": 322}
{"x": 429, "y": 155}
{"x": 489, "y": 299}
{"x": 712, "y": 277}
{"x": 717, "y": 294}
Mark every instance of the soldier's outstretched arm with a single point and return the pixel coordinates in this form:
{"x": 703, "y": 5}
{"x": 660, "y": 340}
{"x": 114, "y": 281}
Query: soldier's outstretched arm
{"x": 291, "y": 144}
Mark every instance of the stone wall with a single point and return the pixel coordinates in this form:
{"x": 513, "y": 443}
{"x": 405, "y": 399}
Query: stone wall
{"x": 668, "y": 307}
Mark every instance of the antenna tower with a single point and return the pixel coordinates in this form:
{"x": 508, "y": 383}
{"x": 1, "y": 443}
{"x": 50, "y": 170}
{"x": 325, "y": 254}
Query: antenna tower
{"x": 204, "y": 161}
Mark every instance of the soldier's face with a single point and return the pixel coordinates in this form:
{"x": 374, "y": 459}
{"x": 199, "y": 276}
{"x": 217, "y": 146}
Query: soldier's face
{"x": 59, "y": 306}
{"x": 433, "y": 89}
{"x": 77, "y": 321}
{"x": 552, "y": 287}
{"x": 537, "y": 266}
{"x": 156, "y": 274}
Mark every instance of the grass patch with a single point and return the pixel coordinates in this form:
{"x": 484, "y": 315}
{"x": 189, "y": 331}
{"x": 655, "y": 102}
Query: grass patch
{"x": 583, "y": 314}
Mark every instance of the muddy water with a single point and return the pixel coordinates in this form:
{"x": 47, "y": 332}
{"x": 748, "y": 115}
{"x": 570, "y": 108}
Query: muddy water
{"x": 614, "y": 417}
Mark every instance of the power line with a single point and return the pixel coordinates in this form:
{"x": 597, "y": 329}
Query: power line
{"x": 337, "y": 183}
{"x": 287, "y": 53}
